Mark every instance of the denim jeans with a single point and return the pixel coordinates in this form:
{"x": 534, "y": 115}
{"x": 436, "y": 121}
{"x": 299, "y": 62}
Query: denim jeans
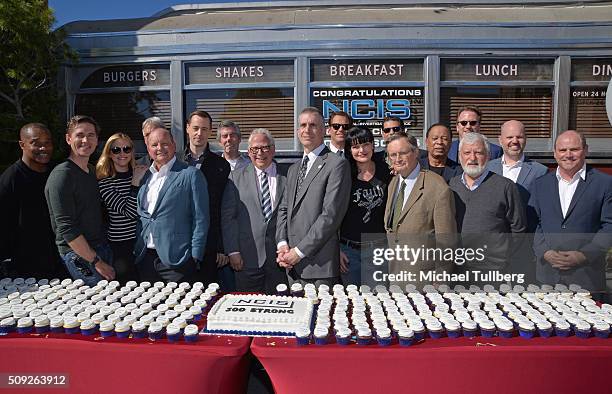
{"x": 81, "y": 269}
{"x": 361, "y": 267}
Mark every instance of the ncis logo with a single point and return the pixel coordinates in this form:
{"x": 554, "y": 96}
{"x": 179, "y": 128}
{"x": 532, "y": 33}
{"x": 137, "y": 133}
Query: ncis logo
{"x": 265, "y": 303}
{"x": 365, "y": 109}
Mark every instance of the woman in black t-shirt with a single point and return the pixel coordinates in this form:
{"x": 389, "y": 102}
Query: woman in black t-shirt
{"x": 365, "y": 215}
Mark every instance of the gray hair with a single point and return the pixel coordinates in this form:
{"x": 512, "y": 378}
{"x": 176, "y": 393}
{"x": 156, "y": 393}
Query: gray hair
{"x": 230, "y": 125}
{"x": 154, "y": 122}
{"x": 472, "y": 138}
{"x": 262, "y": 131}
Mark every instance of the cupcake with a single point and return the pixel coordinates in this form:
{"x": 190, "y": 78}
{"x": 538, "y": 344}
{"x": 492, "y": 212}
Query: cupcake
{"x": 282, "y": 289}
{"x": 582, "y": 329}
{"x": 435, "y": 329}
{"x": 107, "y": 328}
{"x": 191, "y": 333}
{"x": 526, "y": 329}
{"x": 601, "y": 329}
{"x": 343, "y": 336}
{"x": 453, "y": 329}
{"x": 320, "y": 335}
{"x": 56, "y": 325}
{"x": 364, "y": 336}
{"x": 405, "y": 336}
{"x": 418, "y": 329}
{"x": 71, "y": 325}
{"x": 302, "y": 336}
{"x": 122, "y": 329}
{"x": 297, "y": 290}
{"x": 88, "y": 327}
{"x": 487, "y": 328}
{"x": 139, "y": 330}
{"x": 8, "y": 325}
{"x": 383, "y": 336}
{"x": 173, "y": 332}
{"x": 545, "y": 328}
{"x": 41, "y": 324}
{"x": 505, "y": 328}
{"x": 196, "y": 312}
{"x": 155, "y": 330}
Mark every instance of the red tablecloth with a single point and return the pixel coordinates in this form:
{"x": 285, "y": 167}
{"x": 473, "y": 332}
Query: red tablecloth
{"x": 214, "y": 364}
{"x": 462, "y": 365}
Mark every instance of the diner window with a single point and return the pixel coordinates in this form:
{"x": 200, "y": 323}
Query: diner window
{"x": 590, "y": 78}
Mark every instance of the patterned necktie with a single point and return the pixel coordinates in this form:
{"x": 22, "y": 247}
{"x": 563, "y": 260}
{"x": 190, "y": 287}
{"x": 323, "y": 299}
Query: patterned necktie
{"x": 266, "y": 201}
{"x": 302, "y": 173}
{"x": 399, "y": 204}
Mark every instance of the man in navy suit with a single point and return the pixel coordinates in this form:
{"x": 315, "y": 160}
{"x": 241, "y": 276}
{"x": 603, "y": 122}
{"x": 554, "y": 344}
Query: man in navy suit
{"x": 468, "y": 120}
{"x": 435, "y": 158}
{"x": 574, "y": 207}
{"x": 173, "y": 215}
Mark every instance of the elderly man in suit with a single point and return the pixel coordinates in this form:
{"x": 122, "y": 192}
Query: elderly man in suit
{"x": 173, "y": 215}
{"x": 249, "y": 212}
{"x": 438, "y": 139}
{"x": 420, "y": 208}
{"x": 468, "y": 121}
{"x": 314, "y": 202}
{"x": 574, "y": 208}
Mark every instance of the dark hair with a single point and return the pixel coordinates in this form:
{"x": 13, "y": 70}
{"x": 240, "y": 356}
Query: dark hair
{"x": 355, "y": 136}
{"x": 450, "y": 133}
{"x": 76, "y": 120}
{"x": 394, "y": 118}
{"x": 201, "y": 114}
{"x": 470, "y": 108}
{"x": 32, "y": 126}
{"x": 341, "y": 113}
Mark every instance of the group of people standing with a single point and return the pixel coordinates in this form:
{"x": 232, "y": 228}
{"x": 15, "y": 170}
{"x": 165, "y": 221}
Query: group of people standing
{"x": 241, "y": 220}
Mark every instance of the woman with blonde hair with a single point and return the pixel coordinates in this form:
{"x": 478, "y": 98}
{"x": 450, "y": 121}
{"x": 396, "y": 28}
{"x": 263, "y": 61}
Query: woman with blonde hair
{"x": 118, "y": 179}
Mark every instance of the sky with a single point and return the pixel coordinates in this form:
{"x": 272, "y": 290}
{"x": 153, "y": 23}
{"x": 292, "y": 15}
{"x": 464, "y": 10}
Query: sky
{"x": 74, "y": 10}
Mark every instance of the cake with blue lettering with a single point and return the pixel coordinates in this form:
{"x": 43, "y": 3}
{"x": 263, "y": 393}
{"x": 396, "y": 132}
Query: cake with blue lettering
{"x": 255, "y": 314}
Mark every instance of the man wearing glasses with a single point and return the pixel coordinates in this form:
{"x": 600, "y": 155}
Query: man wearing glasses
{"x": 391, "y": 125}
{"x": 248, "y": 213}
{"x": 339, "y": 124}
{"x": 468, "y": 120}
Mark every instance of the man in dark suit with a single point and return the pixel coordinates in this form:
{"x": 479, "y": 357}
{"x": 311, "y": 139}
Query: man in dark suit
{"x": 315, "y": 200}
{"x": 468, "y": 120}
{"x": 249, "y": 212}
{"x": 216, "y": 170}
{"x": 574, "y": 208}
{"x": 148, "y": 126}
{"x": 438, "y": 139}
{"x": 173, "y": 215}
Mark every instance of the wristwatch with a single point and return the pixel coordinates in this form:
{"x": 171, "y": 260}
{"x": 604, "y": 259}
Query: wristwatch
{"x": 94, "y": 261}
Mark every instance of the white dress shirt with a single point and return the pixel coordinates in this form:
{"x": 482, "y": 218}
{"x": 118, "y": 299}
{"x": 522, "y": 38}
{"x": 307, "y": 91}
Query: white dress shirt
{"x": 335, "y": 150}
{"x": 312, "y": 156}
{"x": 512, "y": 171}
{"x": 477, "y": 181}
{"x": 568, "y": 188}
{"x": 410, "y": 181}
{"x": 272, "y": 182}
{"x": 155, "y": 184}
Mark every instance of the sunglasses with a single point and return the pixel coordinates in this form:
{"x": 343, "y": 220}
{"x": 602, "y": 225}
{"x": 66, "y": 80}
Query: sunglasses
{"x": 395, "y": 129}
{"x": 336, "y": 126}
{"x": 115, "y": 150}
{"x": 262, "y": 149}
{"x": 465, "y": 122}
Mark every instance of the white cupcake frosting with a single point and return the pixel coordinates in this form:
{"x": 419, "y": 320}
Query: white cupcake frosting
{"x": 191, "y": 330}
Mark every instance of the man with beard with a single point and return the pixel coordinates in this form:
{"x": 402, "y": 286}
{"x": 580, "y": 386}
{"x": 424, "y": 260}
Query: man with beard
{"x": 27, "y": 236}
{"x": 438, "y": 139}
{"x": 229, "y": 137}
{"x": 488, "y": 206}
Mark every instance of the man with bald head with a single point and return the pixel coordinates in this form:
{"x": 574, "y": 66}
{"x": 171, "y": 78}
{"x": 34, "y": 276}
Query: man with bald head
{"x": 574, "y": 218}
{"x": 173, "y": 215}
{"x": 27, "y": 238}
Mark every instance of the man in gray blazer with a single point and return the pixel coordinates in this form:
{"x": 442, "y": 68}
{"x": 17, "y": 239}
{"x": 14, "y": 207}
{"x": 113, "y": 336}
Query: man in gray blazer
{"x": 249, "y": 212}
{"x": 314, "y": 202}
{"x": 173, "y": 215}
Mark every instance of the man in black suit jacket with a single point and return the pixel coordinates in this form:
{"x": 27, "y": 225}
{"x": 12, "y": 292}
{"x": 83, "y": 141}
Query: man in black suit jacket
{"x": 468, "y": 120}
{"x": 574, "y": 208}
{"x": 438, "y": 139}
{"x": 216, "y": 170}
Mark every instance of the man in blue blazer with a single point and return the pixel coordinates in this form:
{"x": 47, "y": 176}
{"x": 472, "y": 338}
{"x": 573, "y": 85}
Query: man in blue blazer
{"x": 468, "y": 120}
{"x": 574, "y": 229}
{"x": 173, "y": 215}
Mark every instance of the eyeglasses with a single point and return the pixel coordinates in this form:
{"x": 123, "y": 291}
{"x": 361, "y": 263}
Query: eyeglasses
{"x": 336, "y": 126}
{"x": 115, "y": 150}
{"x": 465, "y": 122}
{"x": 398, "y": 155}
{"x": 395, "y": 129}
{"x": 262, "y": 149}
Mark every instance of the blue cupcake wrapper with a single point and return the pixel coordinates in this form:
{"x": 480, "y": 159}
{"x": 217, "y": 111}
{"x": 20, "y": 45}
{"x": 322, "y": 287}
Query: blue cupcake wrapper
{"x": 453, "y": 333}
{"x": 197, "y": 317}
{"x": 72, "y": 330}
{"x": 582, "y": 334}
{"x": 57, "y": 330}
{"x": 174, "y": 337}
{"x": 90, "y": 331}
{"x": 470, "y": 333}
{"x": 545, "y": 333}
{"x": 107, "y": 333}
{"x": 363, "y": 341}
{"x": 25, "y": 330}
{"x": 156, "y": 335}
{"x": 320, "y": 341}
{"x": 527, "y": 334}
{"x": 405, "y": 341}
{"x": 436, "y": 334}
{"x": 191, "y": 338}
{"x": 139, "y": 334}
{"x": 419, "y": 335}
{"x": 301, "y": 341}
{"x": 7, "y": 329}
{"x": 601, "y": 334}
{"x": 41, "y": 330}
{"x": 506, "y": 334}
{"x": 562, "y": 333}
{"x": 343, "y": 341}
{"x": 383, "y": 341}
{"x": 487, "y": 333}
{"x": 122, "y": 334}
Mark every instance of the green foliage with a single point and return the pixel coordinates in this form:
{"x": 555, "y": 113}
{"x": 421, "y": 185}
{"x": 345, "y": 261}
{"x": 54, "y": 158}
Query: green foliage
{"x": 31, "y": 54}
